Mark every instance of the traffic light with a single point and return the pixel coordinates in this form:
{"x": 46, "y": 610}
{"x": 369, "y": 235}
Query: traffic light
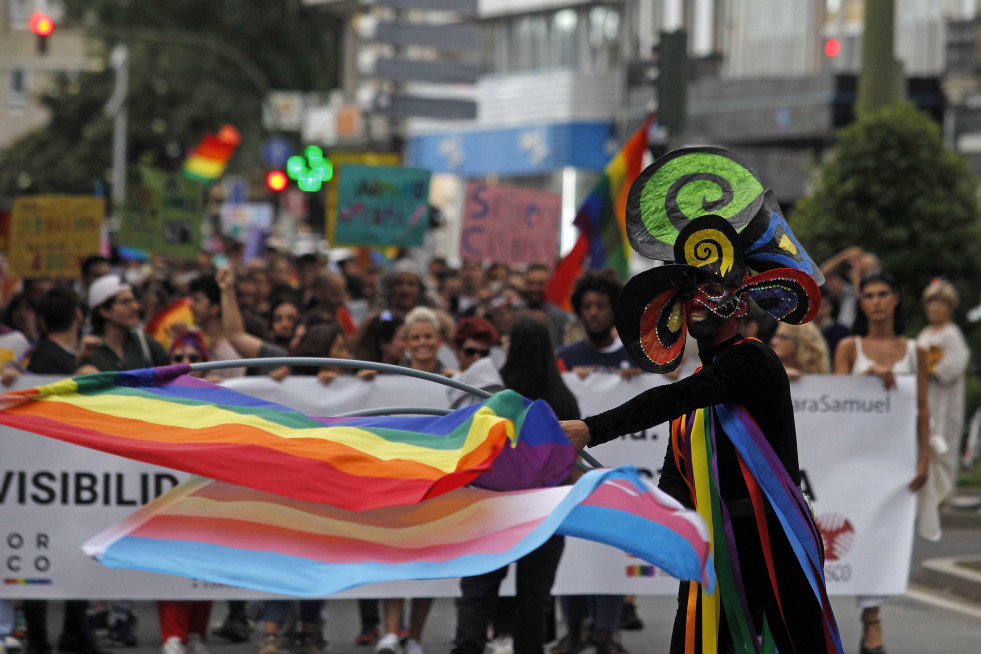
{"x": 276, "y": 180}
{"x": 672, "y": 81}
{"x": 42, "y": 26}
{"x": 832, "y": 48}
{"x": 310, "y": 170}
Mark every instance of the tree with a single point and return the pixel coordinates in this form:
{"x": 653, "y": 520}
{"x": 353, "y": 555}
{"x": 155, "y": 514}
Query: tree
{"x": 181, "y": 85}
{"x": 892, "y": 188}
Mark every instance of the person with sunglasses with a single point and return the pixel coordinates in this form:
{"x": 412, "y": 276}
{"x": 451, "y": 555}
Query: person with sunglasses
{"x": 189, "y": 348}
{"x": 473, "y": 339}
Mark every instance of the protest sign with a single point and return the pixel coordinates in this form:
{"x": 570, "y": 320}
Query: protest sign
{"x": 856, "y": 449}
{"x": 238, "y": 218}
{"x": 162, "y": 214}
{"x": 379, "y": 205}
{"x": 510, "y": 225}
{"x": 340, "y": 159}
{"x": 51, "y": 234}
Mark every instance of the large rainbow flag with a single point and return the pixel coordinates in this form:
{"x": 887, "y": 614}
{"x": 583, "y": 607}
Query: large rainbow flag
{"x": 164, "y": 417}
{"x": 601, "y": 221}
{"x": 233, "y": 535}
{"x": 311, "y": 506}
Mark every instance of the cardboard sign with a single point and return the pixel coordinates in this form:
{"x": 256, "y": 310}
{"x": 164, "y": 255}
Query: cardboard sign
{"x": 341, "y": 159}
{"x": 380, "y": 205}
{"x": 51, "y": 234}
{"x": 163, "y": 213}
{"x": 510, "y": 225}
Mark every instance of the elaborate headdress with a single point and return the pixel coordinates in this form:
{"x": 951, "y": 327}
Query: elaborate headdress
{"x": 705, "y": 212}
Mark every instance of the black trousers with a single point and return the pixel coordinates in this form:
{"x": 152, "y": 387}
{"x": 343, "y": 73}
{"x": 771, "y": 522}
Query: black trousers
{"x": 804, "y": 632}
{"x": 533, "y": 599}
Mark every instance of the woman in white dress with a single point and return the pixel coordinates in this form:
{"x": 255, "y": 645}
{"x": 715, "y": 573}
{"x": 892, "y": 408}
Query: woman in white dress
{"x": 879, "y": 348}
{"x": 946, "y": 360}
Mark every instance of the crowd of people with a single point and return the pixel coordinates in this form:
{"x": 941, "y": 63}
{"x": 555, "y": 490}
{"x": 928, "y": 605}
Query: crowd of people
{"x": 488, "y": 325}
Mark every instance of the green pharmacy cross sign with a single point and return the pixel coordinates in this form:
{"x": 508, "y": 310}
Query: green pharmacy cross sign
{"x": 311, "y": 170}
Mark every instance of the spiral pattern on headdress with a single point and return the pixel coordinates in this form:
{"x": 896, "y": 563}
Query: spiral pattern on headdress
{"x": 678, "y": 217}
{"x": 684, "y": 185}
{"x": 706, "y": 247}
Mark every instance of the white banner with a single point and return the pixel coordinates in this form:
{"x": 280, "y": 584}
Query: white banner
{"x": 856, "y": 444}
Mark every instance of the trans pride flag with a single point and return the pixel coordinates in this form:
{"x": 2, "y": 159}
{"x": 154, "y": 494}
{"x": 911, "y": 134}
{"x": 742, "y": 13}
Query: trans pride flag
{"x": 233, "y": 535}
{"x": 311, "y": 506}
{"x": 164, "y": 417}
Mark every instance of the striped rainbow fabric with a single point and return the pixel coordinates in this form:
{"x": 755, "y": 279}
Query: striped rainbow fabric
{"x": 164, "y": 417}
{"x": 233, "y": 535}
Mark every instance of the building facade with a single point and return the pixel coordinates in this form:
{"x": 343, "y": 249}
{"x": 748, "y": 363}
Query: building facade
{"x": 25, "y": 71}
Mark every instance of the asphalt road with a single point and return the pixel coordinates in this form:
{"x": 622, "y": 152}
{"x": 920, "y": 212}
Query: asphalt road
{"x": 916, "y": 623}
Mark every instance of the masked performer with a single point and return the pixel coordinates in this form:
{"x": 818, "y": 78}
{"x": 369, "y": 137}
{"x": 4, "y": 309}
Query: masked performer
{"x": 733, "y": 450}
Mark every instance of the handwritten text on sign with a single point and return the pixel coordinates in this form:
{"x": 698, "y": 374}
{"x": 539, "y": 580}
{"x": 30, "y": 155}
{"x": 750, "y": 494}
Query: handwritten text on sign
{"x": 50, "y": 235}
{"x": 381, "y": 205}
{"x": 510, "y": 225}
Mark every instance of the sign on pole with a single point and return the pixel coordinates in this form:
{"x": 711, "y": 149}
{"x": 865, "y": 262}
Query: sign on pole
{"x": 341, "y": 159}
{"x": 378, "y": 205}
{"x": 162, "y": 214}
{"x": 510, "y": 225}
{"x": 51, "y": 234}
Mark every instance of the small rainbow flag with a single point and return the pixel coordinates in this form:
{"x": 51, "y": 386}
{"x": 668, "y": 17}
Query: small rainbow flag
{"x": 178, "y": 311}
{"x": 232, "y": 535}
{"x": 164, "y": 417}
{"x": 601, "y": 221}
{"x": 207, "y": 161}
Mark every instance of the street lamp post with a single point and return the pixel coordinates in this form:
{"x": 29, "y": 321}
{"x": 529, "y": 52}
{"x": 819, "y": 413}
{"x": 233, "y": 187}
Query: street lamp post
{"x": 116, "y": 108}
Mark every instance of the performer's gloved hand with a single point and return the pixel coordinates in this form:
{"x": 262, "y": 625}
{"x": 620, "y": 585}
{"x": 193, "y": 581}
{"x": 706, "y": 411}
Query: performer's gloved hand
{"x": 577, "y": 432}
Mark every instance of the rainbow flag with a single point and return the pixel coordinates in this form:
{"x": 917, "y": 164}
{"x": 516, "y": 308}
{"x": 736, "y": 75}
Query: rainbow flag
{"x": 601, "y": 221}
{"x": 164, "y": 417}
{"x": 232, "y": 535}
{"x": 206, "y": 162}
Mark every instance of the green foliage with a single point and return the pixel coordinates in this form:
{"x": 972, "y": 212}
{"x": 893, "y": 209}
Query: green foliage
{"x": 891, "y": 188}
{"x": 179, "y": 88}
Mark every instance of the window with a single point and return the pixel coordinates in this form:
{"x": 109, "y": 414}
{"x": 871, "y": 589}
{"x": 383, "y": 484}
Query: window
{"x": 584, "y": 38}
{"x": 17, "y": 92}
{"x": 20, "y": 11}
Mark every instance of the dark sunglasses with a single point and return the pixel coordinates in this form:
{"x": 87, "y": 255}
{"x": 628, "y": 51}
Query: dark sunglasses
{"x": 191, "y": 358}
{"x": 473, "y": 351}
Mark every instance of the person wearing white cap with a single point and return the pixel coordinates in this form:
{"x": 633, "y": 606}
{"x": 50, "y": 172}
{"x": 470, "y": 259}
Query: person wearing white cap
{"x": 116, "y": 318}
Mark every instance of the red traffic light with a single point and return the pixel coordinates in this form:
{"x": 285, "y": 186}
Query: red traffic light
{"x": 277, "y": 180}
{"x": 832, "y": 48}
{"x": 41, "y": 24}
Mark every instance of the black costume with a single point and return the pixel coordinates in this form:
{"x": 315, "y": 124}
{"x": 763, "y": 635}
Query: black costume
{"x": 733, "y": 453}
{"x": 750, "y": 374}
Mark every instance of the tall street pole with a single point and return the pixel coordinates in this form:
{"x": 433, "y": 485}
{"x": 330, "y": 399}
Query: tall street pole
{"x": 881, "y": 81}
{"x": 117, "y": 109}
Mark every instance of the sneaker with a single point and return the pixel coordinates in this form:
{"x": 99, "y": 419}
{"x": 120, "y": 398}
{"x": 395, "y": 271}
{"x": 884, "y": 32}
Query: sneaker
{"x": 235, "y": 629}
{"x": 630, "y": 621}
{"x": 173, "y": 645}
{"x": 413, "y": 647}
{"x": 503, "y": 644}
{"x": 121, "y": 635}
{"x": 195, "y": 644}
{"x": 269, "y": 644}
{"x": 309, "y": 644}
{"x": 368, "y": 636}
{"x": 389, "y": 644}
